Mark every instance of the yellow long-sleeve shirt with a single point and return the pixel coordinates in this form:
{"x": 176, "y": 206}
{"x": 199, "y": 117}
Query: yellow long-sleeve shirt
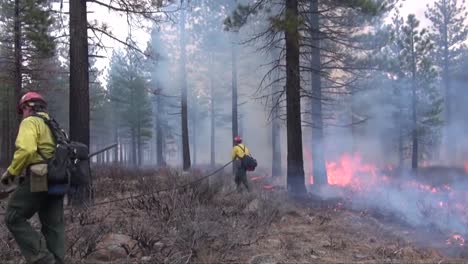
{"x": 33, "y": 134}
{"x": 238, "y": 151}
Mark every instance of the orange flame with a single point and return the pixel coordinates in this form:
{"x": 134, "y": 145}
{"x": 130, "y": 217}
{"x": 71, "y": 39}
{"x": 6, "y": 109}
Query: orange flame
{"x": 346, "y": 171}
{"x": 349, "y": 167}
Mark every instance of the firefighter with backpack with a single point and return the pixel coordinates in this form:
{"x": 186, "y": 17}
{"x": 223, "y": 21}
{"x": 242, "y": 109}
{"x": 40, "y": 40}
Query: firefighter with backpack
{"x": 243, "y": 162}
{"x": 34, "y": 142}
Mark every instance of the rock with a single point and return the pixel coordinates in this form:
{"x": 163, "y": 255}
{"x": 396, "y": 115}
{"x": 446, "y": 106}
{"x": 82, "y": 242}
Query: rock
{"x": 113, "y": 247}
{"x": 276, "y": 243}
{"x": 146, "y": 259}
{"x": 360, "y": 256}
{"x": 263, "y": 259}
{"x": 253, "y": 206}
{"x": 158, "y": 246}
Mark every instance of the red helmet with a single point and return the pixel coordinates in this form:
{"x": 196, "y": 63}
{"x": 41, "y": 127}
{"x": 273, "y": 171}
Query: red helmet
{"x": 238, "y": 139}
{"x": 30, "y": 97}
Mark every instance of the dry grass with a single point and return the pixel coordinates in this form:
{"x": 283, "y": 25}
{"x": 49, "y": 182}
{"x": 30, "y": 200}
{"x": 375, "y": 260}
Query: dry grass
{"x": 209, "y": 223}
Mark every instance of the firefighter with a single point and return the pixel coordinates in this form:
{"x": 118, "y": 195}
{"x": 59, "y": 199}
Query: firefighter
{"x": 34, "y": 140}
{"x": 238, "y": 152}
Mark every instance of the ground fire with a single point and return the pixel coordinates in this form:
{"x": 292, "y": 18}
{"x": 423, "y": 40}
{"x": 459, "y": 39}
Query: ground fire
{"x": 435, "y": 197}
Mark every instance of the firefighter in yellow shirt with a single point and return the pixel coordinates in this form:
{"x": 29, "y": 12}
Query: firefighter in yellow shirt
{"x": 238, "y": 152}
{"x": 33, "y": 136}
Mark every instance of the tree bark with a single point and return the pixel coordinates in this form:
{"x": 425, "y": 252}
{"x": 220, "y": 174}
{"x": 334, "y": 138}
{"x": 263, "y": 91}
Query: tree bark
{"x": 276, "y": 131}
{"x": 449, "y": 146}
{"x": 14, "y": 120}
{"x": 212, "y": 116}
{"x": 318, "y": 152}
{"x": 139, "y": 143}
{"x": 121, "y": 152}
{"x": 79, "y": 73}
{"x": 116, "y": 140}
{"x": 184, "y": 119}
{"x": 235, "y": 124}
{"x": 133, "y": 155}
{"x": 414, "y": 133}
{"x": 194, "y": 131}
{"x": 159, "y": 135}
{"x": 7, "y": 140}
{"x": 235, "y": 120}
{"x": 295, "y": 171}
{"x": 401, "y": 135}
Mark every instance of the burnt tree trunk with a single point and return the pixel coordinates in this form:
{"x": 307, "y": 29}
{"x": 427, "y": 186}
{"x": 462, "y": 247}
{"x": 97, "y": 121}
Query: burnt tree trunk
{"x": 318, "y": 153}
{"x": 295, "y": 171}
{"x": 79, "y": 73}
{"x": 184, "y": 119}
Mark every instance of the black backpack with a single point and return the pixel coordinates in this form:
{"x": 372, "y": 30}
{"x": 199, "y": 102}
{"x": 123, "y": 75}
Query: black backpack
{"x": 248, "y": 162}
{"x": 69, "y": 169}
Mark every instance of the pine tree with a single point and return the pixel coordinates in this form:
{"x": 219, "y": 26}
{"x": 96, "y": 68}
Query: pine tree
{"x": 449, "y": 33}
{"x": 27, "y": 30}
{"x": 130, "y": 100}
{"x": 417, "y": 66}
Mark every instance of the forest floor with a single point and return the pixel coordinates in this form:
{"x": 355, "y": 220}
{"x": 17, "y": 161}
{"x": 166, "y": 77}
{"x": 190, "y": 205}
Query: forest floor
{"x": 211, "y": 223}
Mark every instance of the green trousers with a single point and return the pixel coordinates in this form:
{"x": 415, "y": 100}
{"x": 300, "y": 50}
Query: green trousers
{"x": 241, "y": 176}
{"x": 49, "y": 247}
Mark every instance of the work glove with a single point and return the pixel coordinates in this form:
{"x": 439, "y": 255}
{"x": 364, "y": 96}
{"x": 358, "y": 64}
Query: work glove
{"x": 7, "y": 178}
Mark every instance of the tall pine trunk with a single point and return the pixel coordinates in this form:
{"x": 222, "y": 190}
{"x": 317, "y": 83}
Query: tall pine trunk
{"x": 79, "y": 73}
{"x": 183, "y": 70}
{"x": 235, "y": 124}
{"x": 139, "y": 144}
{"x": 401, "y": 134}
{"x": 194, "y": 131}
{"x": 121, "y": 152}
{"x": 14, "y": 120}
{"x": 133, "y": 156}
{"x": 116, "y": 149}
{"x": 276, "y": 130}
{"x": 414, "y": 133}
{"x": 7, "y": 140}
{"x": 318, "y": 153}
{"x": 295, "y": 171}
{"x": 212, "y": 115}
{"x": 449, "y": 146}
{"x": 159, "y": 135}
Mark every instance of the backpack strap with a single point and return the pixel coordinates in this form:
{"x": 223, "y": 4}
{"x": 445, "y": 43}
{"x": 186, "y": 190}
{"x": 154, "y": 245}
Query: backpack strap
{"x": 53, "y": 127}
{"x": 243, "y": 149}
{"x": 58, "y": 133}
